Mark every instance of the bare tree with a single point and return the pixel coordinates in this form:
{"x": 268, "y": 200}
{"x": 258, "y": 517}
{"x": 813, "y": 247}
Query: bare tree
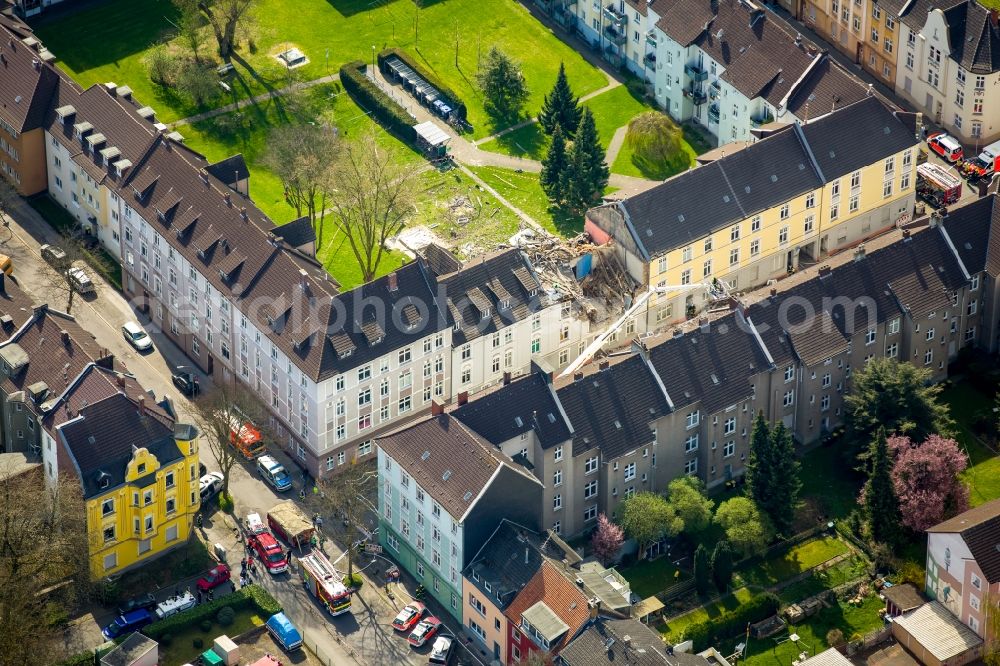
{"x": 43, "y": 566}
{"x": 65, "y": 270}
{"x": 228, "y": 19}
{"x": 8, "y": 197}
{"x": 226, "y": 407}
{"x": 372, "y": 197}
{"x": 189, "y": 26}
{"x": 303, "y": 157}
{"x": 991, "y": 629}
{"x": 349, "y": 496}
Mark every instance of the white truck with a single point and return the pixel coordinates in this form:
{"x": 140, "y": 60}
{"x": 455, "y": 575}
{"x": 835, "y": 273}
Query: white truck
{"x": 174, "y": 605}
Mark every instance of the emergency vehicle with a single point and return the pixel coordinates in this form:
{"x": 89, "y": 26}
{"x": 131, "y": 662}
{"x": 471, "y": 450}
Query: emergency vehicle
{"x": 985, "y": 164}
{"x": 325, "y": 583}
{"x": 265, "y": 545}
{"x": 937, "y": 186}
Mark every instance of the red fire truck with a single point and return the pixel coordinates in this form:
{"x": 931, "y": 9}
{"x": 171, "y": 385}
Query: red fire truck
{"x": 325, "y": 583}
{"x": 937, "y": 186}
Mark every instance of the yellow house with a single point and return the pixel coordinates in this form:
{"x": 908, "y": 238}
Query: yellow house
{"x": 139, "y": 474}
{"x": 792, "y": 198}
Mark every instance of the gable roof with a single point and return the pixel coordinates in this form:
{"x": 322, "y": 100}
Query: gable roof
{"x": 26, "y": 83}
{"x": 968, "y": 226}
{"x": 450, "y": 462}
{"x": 561, "y": 598}
{"x": 980, "y": 529}
{"x": 774, "y": 170}
{"x": 938, "y": 631}
{"x": 627, "y": 642}
{"x": 102, "y": 439}
{"x": 974, "y": 42}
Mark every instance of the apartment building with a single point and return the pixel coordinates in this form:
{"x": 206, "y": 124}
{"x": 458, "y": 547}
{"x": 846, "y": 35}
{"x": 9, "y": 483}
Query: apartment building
{"x": 881, "y": 43}
{"x": 26, "y": 85}
{"x": 684, "y": 403}
{"x": 545, "y": 615}
{"x": 139, "y": 474}
{"x": 796, "y": 196}
{"x": 611, "y": 641}
{"x": 443, "y": 490}
{"x": 842, "y": 23}
{"x": 949, "y": 66}
{"x": 963, "y": 565}
{"x": 730, "y": 68}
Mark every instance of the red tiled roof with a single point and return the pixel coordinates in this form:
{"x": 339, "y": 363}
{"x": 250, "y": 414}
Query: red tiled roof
{"x": 562, "y": 597}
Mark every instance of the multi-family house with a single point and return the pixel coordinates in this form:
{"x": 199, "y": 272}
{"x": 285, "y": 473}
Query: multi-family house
{"x": 949, "y": 66}
{"x": 842, "y": 23}
{"x": 502, "y": 319}
{"x": 28, "y": 8}
{"x": 139, "y": 475}
{"x": 612, "y": 641}
{"x": 27, "y": 84}
{"x": 727, "y": 66}
{"x": 881, "y": 43}
{"x": 963, "y": 565}
{"x": 794, "y": 197}
{"x": 506, "y": 564}
{"x": 442, "y": 492}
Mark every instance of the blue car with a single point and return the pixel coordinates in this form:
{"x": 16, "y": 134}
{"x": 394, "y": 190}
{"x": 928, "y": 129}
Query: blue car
{"x": 284, "y": 632}
{"x": 127, "y": 623}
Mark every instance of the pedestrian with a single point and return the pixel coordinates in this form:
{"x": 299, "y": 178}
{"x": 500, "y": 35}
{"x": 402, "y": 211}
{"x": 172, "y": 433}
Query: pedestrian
{"x": 211, "y": 595}
{"x": 319, "y": 521}
{"x": 199, "y": 595}
{"x": 302, "y": 494}
{"x": 233, "y": 583}
{"x": 198, "y": 520}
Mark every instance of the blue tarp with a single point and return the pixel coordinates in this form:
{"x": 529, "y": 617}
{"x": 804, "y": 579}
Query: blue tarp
{"x": 284, "y": 631}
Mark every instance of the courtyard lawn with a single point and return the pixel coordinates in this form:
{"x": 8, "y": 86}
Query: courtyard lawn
{"x": 830, "y": 485}
{"x": 650, "y": 577}
{"x": 853, "y": 621}
{"x": 796, "y": 560}
{"x": 524, "y": 191}
{"x": 673, "y": 630}
{"x": 983, "y": 475}
{"x": 181, "y": 650}
{"x": 842, "y": 572}
{"x": 330, "y": 33}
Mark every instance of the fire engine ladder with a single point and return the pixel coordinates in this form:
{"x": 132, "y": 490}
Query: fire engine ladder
{"x": 322, "y": 568}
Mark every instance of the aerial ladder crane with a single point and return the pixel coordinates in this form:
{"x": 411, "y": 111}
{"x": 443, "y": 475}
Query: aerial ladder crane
{"x": 717, "y": 290}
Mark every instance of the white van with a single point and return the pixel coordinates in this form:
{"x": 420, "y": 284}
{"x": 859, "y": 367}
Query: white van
{"x": 274, "y": 473}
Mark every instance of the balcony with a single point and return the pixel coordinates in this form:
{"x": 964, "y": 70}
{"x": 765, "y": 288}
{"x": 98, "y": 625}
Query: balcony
{"x": 759, "y": 119}
{"x": 615, "y": 17}
{"x": 650, "y": 38}
{"x": 649, "y": 60}
{"x": 713, "y": 113}
{"x": 696, "y": 95}
{"x": 616, "y": 37}
{"x": 697, "y": 74}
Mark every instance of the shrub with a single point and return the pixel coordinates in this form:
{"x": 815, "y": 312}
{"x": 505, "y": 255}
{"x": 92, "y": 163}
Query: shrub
{"x": 82, "y": 659}
{"x": 355, "y": 581}
{"x": 206, "y": 625}
{"x": 166, "y": 639}
{"x": 226, "y": 616}
{"x": 456, "y": 103}
{"x": 251, "y": 596}
{"x": 709, "y": 632}
{"x": 262, "y": 600}
{"x": 198, "y": 643}
{"x": 371, "y": 97}
{"x": 834, "y": 637}
{"x": 226, "y": 502}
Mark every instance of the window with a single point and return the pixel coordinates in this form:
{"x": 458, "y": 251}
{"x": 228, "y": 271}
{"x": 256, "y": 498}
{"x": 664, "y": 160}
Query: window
{"x": 692, "y": 419}
{"x": 691, "y": 443}
{"x": 557, "y": 454}
{"x": 783, "y": 235}
{"x": 734, "y": 256}
{"x": 691, "y": 467}
{"x": 929, "y": 357}
{"x": 930, "y": 334}
{"x": 109, "y": 534}
{"x": 706, "y": 268}
{"x": 107, "y": 507}
{"x": 894, "y": 326}
{"x": 708, "y": 244}
{"x": 892, "y": 350}
{"x": 730, "y": 426}
{"x": 971, "y": 308}
{"x": 729, "y": 449}
{"x": 870, "y": 336}
{"x": 590, "y": 489}
{"x": 734, "y": 233}
{"x": 853, "y": 204}
{"x": 590, "y": 513}
{"x": 789, "y": 398}
{"x": 789, "y": 373}
{"x": 784, "y": 212}
{"x": 976, "y": 583}
{"x": 808, "y": 226}
{"x": 590, "y": 466}
{"x": 557, "y": 478}
{"x": 536, "y": 345}
{"x": 404, "y": 355}
{"x": 686, "y": 276}
{"x": 662, "y": 264}
{"x": 686, "y": 253}
{"x": 556, "y": 502}
{"x": 629, "y": 471}
{"x": 754, "y": 247}
{"x": 755, "y": 224}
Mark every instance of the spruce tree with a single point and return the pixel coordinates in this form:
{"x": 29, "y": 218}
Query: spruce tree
{"x": 785, "y": 483}
{"x": 587, "y": 174}
{"x": 881, "y": 505}
{"x": 554, "y": 167}
{"x": 560, "y": 108}
{"x": 702, "y": 570}
{"x": 757, "y": 478}
{"x": 722, "y": 565}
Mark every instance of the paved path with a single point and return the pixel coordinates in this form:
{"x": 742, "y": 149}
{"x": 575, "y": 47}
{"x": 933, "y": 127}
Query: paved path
{"x": 257, "y": 99}
{"x": 615, "y": 145}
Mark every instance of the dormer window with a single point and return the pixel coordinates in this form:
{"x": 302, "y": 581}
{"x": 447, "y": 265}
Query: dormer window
{"x": 533, "y": 293}
{"x": 505, "y": 304}
{"x": 486, "y": 313}
{"x": 222, "y": 274}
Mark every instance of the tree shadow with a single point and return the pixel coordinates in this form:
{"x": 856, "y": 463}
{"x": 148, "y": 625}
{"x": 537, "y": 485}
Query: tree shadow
{"x": 529, "y": 141}
{"x": 661, "y": 170}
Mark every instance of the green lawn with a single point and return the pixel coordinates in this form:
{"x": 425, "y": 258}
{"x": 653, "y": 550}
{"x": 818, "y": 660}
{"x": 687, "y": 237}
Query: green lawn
{"x": 524, "y": 191}
{"x": 983, "y": 474}
{"x": 853, "y": 621}
{"x": 840, "y": 573}
{"x": 800, "y": 558}
{"x": 181, "y": 650}
{"x": 119, "y": 32}
{"x": 673, "y": 630}
{"x": 830, "y": 485}
{"x": 650, "y": 577}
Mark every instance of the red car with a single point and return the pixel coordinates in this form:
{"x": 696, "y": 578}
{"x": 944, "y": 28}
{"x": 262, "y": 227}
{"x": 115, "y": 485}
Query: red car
{"x": 409, "y": 616}
{"x": 215, "y": 577}
{"x": 946, "y": 146}
{"x": 424, "y": 631}
{"x": 269, "y": 552}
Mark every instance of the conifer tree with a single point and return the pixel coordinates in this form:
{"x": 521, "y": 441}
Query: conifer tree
{"x": 560, "y": 107}
{"x": 587, "y": 174}
{"x": 881, "y": 504}
{"x": 785, "y": 483}
{"x": 554, "y": 167}
{"x": 702, "y": 570}
{"x": 756, "y": 476}
{"x": 722, "y": 565}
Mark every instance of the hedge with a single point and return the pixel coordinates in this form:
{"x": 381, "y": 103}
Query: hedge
{"x": 252, "y": 597}
{"x": 709, "y": 632}
{"x": 369, "y": 96}
{"x": 456, "y": 103}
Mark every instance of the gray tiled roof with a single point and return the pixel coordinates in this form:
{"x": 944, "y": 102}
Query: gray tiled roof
{"x": 506, "y": 562}
{"x": 26, "y": 83}
{"x": 980, "y": 528}
{"x": 623, "y": 643}
{"x": 972, "y": 224}
{"x": 776, "y": 169}
{"x": 974, "y": 45}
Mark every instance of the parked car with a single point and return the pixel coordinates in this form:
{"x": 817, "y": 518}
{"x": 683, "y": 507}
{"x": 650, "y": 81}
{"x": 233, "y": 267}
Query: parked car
{"x": 174, "y": 605}
{"x": 946, "y": 146}
{"x": 269, "y": 551}
{"x": 127, "y": 623}
{"x": 274, "y": 473}
{"x": 215, "y": 577}
{"x": 53, "y": 254}
{"x": 441, "y": 650}
{"x": 137, "y": 336}
{"x": 284, "y": 632}
{"x": 209, "y": 486}
{"x": 409, "y": 616}
{"x": 425, "y": 630}
{"x": 80, "y": 281}
{"x": 186, "y": 383}
{"x": 146, "y": 601}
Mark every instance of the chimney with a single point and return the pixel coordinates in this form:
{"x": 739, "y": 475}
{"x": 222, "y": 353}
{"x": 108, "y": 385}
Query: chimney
{"x": 506, "y": 377}
{"x": 995, "y": 19}
{"x": 595, "y": 608}
{"x": 859, "y": 252}
{"x": 437, "y": 407}
{"x": 393, "y": 281}
{"x": 798, "y": 39}
{"x": 204, "y": 176}
{"x": 906, "y": 233}
{"x": 604, "y": 364}
{"x": 525, "y": 554}
{"x": 824, "y": 270}
{"x": 578, "y": 375}
{"x": 229, "y": 199}
{"x": 774, "y": 292}
{"x": 37, "y": 64}
{"x": 142, "y": 405}
{"x": 64, "y": 335}
{"x": 121, "y": 381}
{"x": 303, "y": 279}
{"x": 243, "y": 214}
{"x": 463, "y": 397}
{"x": 919, "y": 126}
